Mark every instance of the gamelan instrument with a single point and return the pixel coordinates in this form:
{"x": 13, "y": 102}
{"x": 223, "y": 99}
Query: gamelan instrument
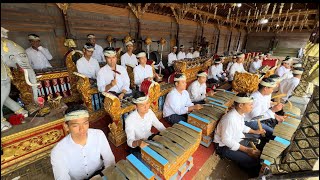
{"x": 284, "y": 132}
{"x": 145, "y": 85}
{"x": 223, "y": 97}
{"x": 180, "y": 142}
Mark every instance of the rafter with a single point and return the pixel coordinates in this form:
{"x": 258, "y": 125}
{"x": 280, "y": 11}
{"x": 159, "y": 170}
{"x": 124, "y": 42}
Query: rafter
{"x": 283, "y": 14}
{"x": 137, "y": 10}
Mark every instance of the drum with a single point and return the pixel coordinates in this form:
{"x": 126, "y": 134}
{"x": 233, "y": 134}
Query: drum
{"x": 155, "y": 57}
{"x": 145, "y": 85}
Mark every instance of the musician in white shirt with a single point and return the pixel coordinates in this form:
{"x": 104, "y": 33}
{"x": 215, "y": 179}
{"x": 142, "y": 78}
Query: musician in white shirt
{"x": 215, "y": 74}
{"x": 139, "y": 123}
{"x": 178, "y": 102}
{"x": 262, "y": 106}
{"x": 38, "y": 56}
{"x": 284, "y": 69}
{"x": 255, "y": 65}
{"x": 113, "y": 78}
{"x": 287, "y": 86}
{"x": 98, "y": 50}
{"x": 261, "y": 57}
{"x": 87, "y": 65}
{"x": 171, "y": 58}
{"x": 198, "y": 89}
{"x": 129, "y": 58}
{"x": 234, "y": 59}
{"x": 237, "y": 67}
{"x": 230, "y": 132}
{"x": 143, "y": 71}
{"x": 196, "y": 53}
{"x": 84, "y": 152}
{"x": 190, "y": 53}
{"x": 181, "y": 55}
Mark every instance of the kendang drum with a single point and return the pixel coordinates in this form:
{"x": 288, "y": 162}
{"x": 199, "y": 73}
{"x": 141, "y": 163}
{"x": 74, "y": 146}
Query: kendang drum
{"x": 145, "y": 85}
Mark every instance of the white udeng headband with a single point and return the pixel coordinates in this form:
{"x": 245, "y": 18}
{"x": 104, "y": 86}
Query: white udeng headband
{"x": 203, "y": 74}
{"x": 240, "y": 56}
{"x": 90, "y": 36}
{"x": 183, "y": 77}
{"x": 89, "y": 48}
{"x": 297, "y": 72}
{"x": 276, "y": 79}
{"x": 243, "y": 99}
{"x": 129, "y": 43}
{"x": 32, "y": 37}
{"x": 287, "y": 61}
{"x": 142, "y": 54}
{"x": 140, "y": 100}
{"x": 109, "y": 53}
{"x": 268, "y": 84}
{"x": 76, "y": 115}
{"x": 297, "y": 65}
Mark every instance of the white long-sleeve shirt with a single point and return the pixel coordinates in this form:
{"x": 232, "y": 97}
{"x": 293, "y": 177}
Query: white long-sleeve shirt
{"x": 106, "y": 75}
{"x": 220, "y": 67}
{"x": 287, "y": 86}
{"x": 229, "y": 66}
{"x": 261, "y": 106}
{"x": 98, "y": 53}
{"x": 254, "y": 66}
{"x": 281, "y": 71}
{"x": 140, "y": 128}
{"x": 140, "y": 73}
{"x": 234, "y": 68}
{"x": 39, "y": 59}
{"x": 230, "y": 129}
{"x": 171, "y": 58}
{"x": 88, "y": 68}
{"x": 130, "y": 60}
{"x": 197, "y": 91}
{"x": 196, "y": 54}
{"x": 214, "y": 72}
{"x": 74, "y": 161}
{"x": 181, "y": 55}
{"x": 176, "y": 103}
{"x": 189, "y": 55}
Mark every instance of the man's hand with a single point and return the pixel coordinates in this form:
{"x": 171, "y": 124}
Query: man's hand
{"x": 121, "y": 96}
{"x": 258, "y": 131}
{"x": 279, "y": 118}
{"x": 40, "y": 48}
{"x": 198, "y": 106}
{"x": 113, "y": 82}
{"x": 277, "y": 107}
{"x": 253, "y": 153}
{"x": 211, "y": 93}
{"x": 143, "y": 144}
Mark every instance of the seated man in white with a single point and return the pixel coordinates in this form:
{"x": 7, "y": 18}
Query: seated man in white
{"x": 139, "y": 123}
{"x": 196, "y": 53}
{"x": 172, "y": 56}
{"x": 190, "y": 53}
{"x": 215, "y": 75}
{"x": 234, "y": 59}
{"x": 84, "y": 152}
{"x": 181, "y": 55}
{"x": 38, "y": 56}
{"x": 229, "y": 136}
{"x": 284, "y": 69}
{"x": 178, "y": 102}
{"x": 87, "y": 65}
{"x": 255, "y": 65}
{"x": 198, "y": 89}
{"x": 262, "y": 106}
{"x": 98, "y": 50}
{"x": 129, "y": 58}
{"x": 237, "y": 67}
{"x": 287, "y": 86}
{"x": 261, "y": 58}
{"x": 113, "y": 78}
{"x": 143, "y": 71}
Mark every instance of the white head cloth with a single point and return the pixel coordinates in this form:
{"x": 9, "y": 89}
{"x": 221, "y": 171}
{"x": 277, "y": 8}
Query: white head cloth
{"x": 268, "y": 84}
{"x": 191, "y": 48}
{"x": 91, "y": 36}
{"x": 234, "y": 57}
{"x": 141, "y": 54}
{"x": 276, "y": 79}
{"x": 243, "y": 99}
{"x": 76, "y": 115}
{"x": 174, "y": 47}
{"x": 182, "y": 47}
{"x": 140, "y": 100}
{"x": 129, "y": 43}
{"x": 32, "y": 37}
{"x": 240, "y": 56}
{"x": 203, "y": 74}
{"x": 297, "y": 65}
{"x": 296, "y": 71}
{"x": 287, "y": 61}
{"x": 109, "y": 53}
{"x": 183, "y": 77}
{"x": 261, "y": 55}
{"x": 89, "y": 48}
{"x": 256, "y": 57}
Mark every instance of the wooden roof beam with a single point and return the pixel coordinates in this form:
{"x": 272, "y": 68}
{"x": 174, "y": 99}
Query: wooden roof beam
{"x": 283, "y": 14}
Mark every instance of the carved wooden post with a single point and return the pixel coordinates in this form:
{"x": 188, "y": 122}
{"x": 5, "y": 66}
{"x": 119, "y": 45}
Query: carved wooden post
{"x": 179, "y": 14}
{"x": 64, "y": 8}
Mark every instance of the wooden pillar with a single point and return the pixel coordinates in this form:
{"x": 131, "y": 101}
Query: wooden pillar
{"x": 217, "y": 46}
{"x": 229, "y": 41}
{"x": 238, "y": 41}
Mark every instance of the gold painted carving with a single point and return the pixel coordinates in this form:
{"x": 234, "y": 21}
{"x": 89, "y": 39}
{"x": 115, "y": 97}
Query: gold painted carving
{"x": 63, "y": 7}
{"x": 245, "y": 82}
{"x": 25, "y": 90}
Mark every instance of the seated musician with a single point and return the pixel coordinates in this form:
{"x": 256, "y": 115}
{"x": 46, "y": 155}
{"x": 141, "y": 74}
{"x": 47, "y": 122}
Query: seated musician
{"x": 178, "y": 102}
{"x": 220, "y": 67}
{"x": 181, "y": 55}
{"x": 255, "y": 65}
{"x": 276, "y": 78}
{"x": 171, "y": 58}
{"x": 230, "y": 132}
{"x": 84, "y": 152}
{"x": 234, "y": 59}
{"x": 143, "y": 71}
{"x": 87, "y": 65}
{"x": 138, "y": 124}
{"x": 284, "y": 69}
{"x": 98, "y": 50}
{"x": 189, "y": 54}
{"x": 237, "y": 66}
{"x": 215, "y": 75}
{"x": 197, "y": 89}
{"x": 113, "y": 78}
{"x": 196, "y": 53}
{"x": 289, "y": 74}
{"x": 288, "y": 85}
{"x": 262, "y": 106}
{"x": 129, "y": 58}
{"x": 261, "y": 57}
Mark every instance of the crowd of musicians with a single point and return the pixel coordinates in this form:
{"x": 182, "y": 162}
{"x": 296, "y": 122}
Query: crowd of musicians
{"x": 85, "y": 151}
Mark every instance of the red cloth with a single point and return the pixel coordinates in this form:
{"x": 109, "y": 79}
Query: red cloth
{"x": 269, "y": 62}
{"x": 16, "y": 119}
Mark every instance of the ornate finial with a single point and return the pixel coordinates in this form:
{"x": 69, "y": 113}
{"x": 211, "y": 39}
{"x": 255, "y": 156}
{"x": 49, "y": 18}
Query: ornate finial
{"x": 63, "y": 7}
{"x": 4, "y": 32}
{"x": 148, "y": 41}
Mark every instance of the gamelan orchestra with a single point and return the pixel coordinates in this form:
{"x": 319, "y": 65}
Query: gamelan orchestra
{"x": 129, "y": 112}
